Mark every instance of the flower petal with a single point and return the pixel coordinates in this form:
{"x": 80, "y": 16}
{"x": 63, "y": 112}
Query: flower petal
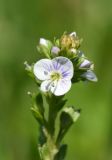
{"x": 42, "y": 69}
{"x": 46, "y": 85}
{"x": 64, "y": 66}
{"x": 62, "y": 87}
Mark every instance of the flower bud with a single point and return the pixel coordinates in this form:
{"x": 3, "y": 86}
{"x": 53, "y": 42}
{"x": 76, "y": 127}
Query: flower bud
{"x": 90, "y": 76}
{"x": 27, "y": 66}
{"x": 55, "y": 50}
{"x": 70, "y": 41}
{"x": 72, "y": 50}
{"x": 43, "y": 42}
{"x": 86, "y": 64}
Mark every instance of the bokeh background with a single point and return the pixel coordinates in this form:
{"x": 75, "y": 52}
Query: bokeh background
{"x": 22, "y": 23}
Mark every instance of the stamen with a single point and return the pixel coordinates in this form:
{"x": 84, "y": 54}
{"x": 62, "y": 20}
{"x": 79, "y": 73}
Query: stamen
{"x": 55, "y": 76}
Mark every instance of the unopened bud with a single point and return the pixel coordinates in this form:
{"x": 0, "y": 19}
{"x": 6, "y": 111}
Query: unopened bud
{"x": 43, "y": 42}
{"x": 87, "y": 64}
{"x": 70, "y": 41}
{"x": 55, "y": 50}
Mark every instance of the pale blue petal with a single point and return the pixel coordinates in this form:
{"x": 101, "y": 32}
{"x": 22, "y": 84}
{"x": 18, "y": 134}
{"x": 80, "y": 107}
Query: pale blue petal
{"x": 42, "y": 69}
{"x": 64, "y": 66}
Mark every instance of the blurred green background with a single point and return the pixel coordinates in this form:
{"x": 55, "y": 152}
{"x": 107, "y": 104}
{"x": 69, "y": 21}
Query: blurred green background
{"x": 22, "y": 23}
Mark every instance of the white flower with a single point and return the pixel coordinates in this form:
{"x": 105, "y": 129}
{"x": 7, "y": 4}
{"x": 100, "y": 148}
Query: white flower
{"x": 55, "y": 74}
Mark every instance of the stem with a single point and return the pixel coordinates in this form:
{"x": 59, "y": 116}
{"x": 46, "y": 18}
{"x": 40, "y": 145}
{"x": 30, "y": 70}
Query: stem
{"x": 51, "y": 120}
{"x": 50, "y": 148}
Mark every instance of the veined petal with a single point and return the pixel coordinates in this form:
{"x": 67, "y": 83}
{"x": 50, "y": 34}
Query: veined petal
{"x": 64, "y": 66}
{"x": 42, "y": 69}
{"x": 46, "y": 85}
{"x": 62, "y": 87}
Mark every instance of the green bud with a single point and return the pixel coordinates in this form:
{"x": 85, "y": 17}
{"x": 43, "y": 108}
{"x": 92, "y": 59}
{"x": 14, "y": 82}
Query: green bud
{"x": 29, "y": 69}
{"x": 44, "y": 47}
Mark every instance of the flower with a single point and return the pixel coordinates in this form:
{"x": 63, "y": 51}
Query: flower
{"x": 55, "y": 74}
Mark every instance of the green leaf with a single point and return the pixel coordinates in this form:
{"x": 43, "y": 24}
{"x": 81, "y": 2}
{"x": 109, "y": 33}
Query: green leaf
{"x": 38, "y": 116}
{"x": 39, "y": 103}
{"x": 74, "y": 114}
{"x": 29, "y": 69}
{"x": 44, "y": 51}
{"x": 68, "y": 116}
{"x": 62, "y": 153}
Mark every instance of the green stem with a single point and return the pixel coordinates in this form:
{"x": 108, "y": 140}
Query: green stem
{"x": 51, "y": 121}
{"x": 50, "y": 148}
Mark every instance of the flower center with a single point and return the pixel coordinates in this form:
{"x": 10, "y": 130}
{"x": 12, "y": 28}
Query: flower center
{"x": 55, "y": 76}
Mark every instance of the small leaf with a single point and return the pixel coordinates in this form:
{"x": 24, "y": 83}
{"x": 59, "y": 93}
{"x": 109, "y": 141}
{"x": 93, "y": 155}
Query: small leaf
{"x": 29, "y": 69}
{"x": 68, "y": 116}
{"x": 39, "y": 103}
{"x": 62, "y": 153}
{"x": 37, "y": 115}
{"x": 74, "y": 114}
{"x": 42, "y": 137}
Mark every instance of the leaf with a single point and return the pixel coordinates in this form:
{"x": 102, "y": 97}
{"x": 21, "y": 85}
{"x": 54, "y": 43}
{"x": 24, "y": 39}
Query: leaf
{"x": 62, "y": 153}
{"x": 68, "y": 116}
{"x": 72, "y": 112}
{"x": 39, "y": 103}
{"x": 43, "y": 50}
{"x": 38, "y": 116}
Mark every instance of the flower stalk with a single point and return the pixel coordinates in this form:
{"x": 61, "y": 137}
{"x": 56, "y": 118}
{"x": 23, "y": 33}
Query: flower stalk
{"x": 63, "y": 65}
